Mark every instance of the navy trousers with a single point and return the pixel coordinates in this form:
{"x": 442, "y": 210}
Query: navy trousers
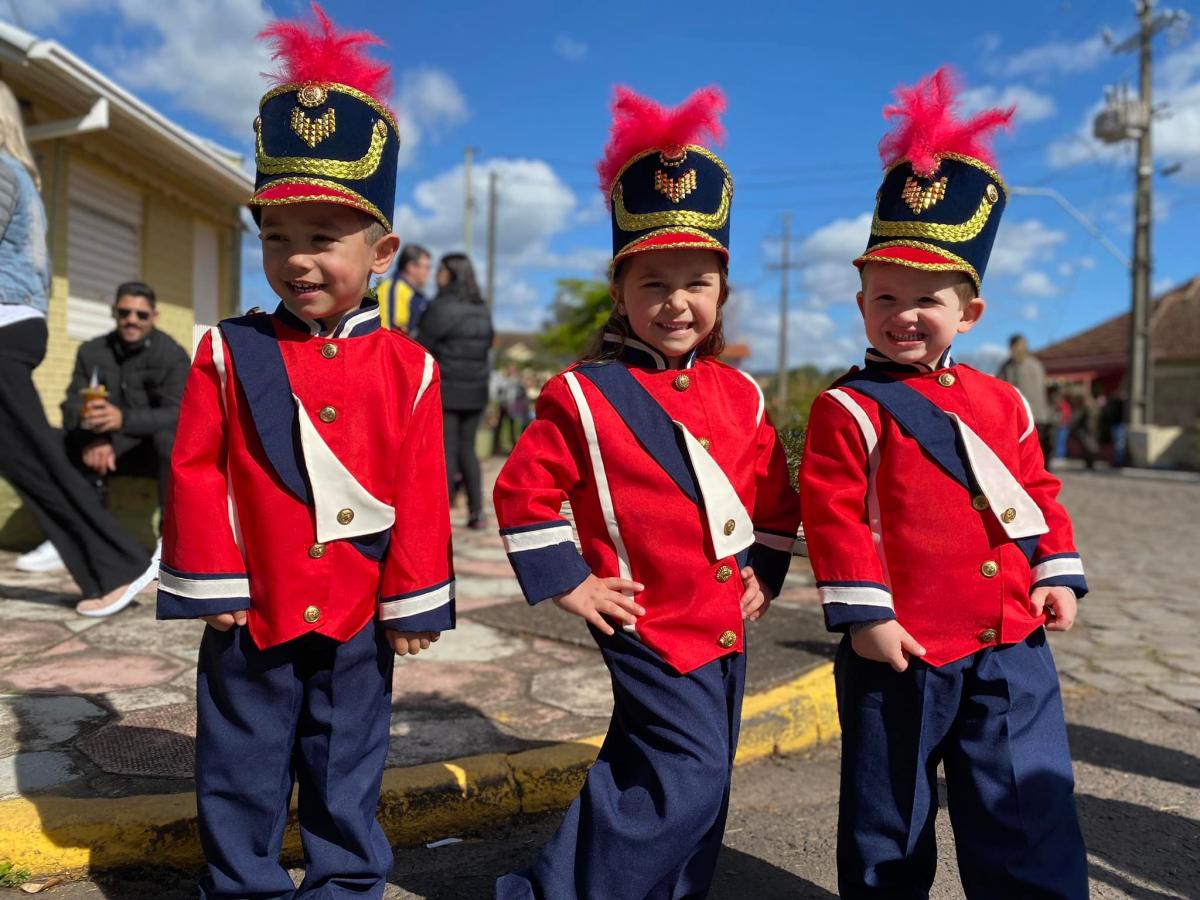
{"x": 649, "y": 821}
{"x": 312, "y": 711}
{"x": 995, "y": 721}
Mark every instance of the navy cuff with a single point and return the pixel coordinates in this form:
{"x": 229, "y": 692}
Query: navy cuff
{"x": 841, "y": 617}
{"x": 173, "y": 606}
{"x": 441, "y": 619}
{"x": 549, "y": 571}
{"x": 770, "y": 565}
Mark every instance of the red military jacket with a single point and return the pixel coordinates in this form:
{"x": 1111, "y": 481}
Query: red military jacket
{"x": 308, "y": 481}
{"x": 675, "y": 478}
{"x": 893, "y": 534}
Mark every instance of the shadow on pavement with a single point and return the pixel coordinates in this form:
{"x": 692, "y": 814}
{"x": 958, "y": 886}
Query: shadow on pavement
{"x": 118, "y": 870}
{"x": 1155, "y": 846}
{"x": 1126, "y": 754}
{"x": 468, "y": 871}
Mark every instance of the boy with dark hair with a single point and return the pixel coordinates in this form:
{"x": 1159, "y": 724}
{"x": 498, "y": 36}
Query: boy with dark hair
{"x": 307, "y": 521}
{"x": 941, "y": 551}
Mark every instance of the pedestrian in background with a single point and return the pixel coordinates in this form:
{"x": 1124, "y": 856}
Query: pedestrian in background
{"x": 1025, "y": 372}
{"x": 457, "y": 330}
{"x": 109, "y": 566}
{"x": 402, "y": 299}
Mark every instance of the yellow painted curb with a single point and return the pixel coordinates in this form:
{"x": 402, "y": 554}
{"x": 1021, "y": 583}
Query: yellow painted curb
{"x": 418, "y": 803}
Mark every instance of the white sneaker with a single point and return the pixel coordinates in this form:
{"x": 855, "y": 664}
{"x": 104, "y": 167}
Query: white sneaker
{"x": 92, "y": 611}
{"x": 42, "y": 558}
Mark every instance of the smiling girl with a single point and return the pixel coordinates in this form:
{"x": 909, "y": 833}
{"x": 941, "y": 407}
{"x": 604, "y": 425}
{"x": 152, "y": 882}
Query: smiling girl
{"x": 684, "y": 512}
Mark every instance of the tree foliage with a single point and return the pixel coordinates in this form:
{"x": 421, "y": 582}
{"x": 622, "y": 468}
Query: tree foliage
{"x": 580, "y": 309}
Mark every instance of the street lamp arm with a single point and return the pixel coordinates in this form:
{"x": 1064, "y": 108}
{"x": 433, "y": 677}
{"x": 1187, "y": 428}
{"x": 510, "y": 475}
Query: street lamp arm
{"x": 1075, "y": 214}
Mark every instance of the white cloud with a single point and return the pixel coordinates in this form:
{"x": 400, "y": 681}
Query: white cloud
{"x": 202, "y": 53}
{"x": 1176, "y": 130}
{"x": 827, "y": 277}
{"x": 813, "y": 336}
{"x": 1020, "y": 244}
{"x": 428, "y": 102}
{"x": 985, "y": 357}
{"x": 40, "y": 14}
{"x": 1052, "y": 57}
{"x": 1035, "y": 283}
{"x": 570, "y": 49}
{"x": 1031, "y": 106}
{"x": 1029, "y": 311}
{"x": 533, "y": 206}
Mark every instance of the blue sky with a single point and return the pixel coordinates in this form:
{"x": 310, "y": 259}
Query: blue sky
{"x": 528, "y": 84}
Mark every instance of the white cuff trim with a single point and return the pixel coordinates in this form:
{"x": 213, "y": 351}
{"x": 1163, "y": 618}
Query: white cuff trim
{"x": 420, "y": 603}
{"x": 537, "y": 538}
{"x": 203, "y": 588}
{"x": 1052, "y": 568}
{"x": 856, "y": 596}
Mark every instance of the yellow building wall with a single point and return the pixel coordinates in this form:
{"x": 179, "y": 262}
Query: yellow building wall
{"x": 167, "y": 250}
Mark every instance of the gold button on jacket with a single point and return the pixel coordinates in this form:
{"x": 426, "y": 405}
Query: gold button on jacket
{"x": 311, "y": 614}
{"x": 989, "y": 569}
{"x": 329, "y": 351}
{"x": 316, "y": 551}
{"x": 345, "y": 516}
{"x": 681, "y": 382}
{"x": 724, "y": 574}
{"x": 1008, "y": 515}
{"x": 704, "y": 442}
{"x": 946, "y": 379}
{"x": 987, "y": 635}
{"x": 980, "y": 502}
{"x": 327, "y": 414}
{"x": 727, "y": 639}
{"x": 730, "y": 525}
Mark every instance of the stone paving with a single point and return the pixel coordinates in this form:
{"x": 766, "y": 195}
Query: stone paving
{"x": 1138, "y": 628}
{"x": 105, "y": 707}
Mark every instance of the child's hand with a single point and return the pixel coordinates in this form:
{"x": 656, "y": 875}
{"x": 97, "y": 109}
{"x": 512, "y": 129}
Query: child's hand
{"x": 886, "y": 642}
{"x": 594, "y": 598}
{"x": 225, "y": 621}
{"x": 756, "y": 599}
{"x": 1059, "y": 604}
{"x": 410, "y": 643}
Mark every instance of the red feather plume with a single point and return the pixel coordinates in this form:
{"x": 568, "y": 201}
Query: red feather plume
{"x": 928, "y": 125}
{"x": 320, "y": 52}
{"x": 640, "y": 124}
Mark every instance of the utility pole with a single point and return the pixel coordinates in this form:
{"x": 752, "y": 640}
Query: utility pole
{"x": 468, "y": 199}
{"x": 491, "y": 241}
{"x": 1125, "y": 119}
{"x": 785, "y": 267}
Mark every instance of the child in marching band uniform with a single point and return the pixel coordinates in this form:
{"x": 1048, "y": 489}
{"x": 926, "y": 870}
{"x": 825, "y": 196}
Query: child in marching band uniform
{"x": 307, "y": 521}
{"x": 941, "y": 551}
{"x": 685, "y": 516}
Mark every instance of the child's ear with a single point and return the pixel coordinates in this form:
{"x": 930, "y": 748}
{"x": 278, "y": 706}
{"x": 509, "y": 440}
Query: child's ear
{"x": 860, "y": 300}
{"x": 972, "y": 313}
{"x": 383, "y": 253}
{"x": 614, "y": 291}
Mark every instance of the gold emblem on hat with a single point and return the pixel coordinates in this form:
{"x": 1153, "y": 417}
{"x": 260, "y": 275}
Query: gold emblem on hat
{"x": 921, "y": 198}
{"x": 675, "y": 189}
{"x": 313, "y": 131}
{"x": 312, "y": 95}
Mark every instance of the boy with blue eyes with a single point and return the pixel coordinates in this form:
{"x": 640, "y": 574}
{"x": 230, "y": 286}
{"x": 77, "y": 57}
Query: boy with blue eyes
{"x": 941, "y": 551}
{"x": 307, "y": 521}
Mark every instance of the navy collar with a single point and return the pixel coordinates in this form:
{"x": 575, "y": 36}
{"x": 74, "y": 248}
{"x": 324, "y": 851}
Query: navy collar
{"x": 876, "y": 360}
{"x": 633, "y": 352}
{"x": 359, "y": 321}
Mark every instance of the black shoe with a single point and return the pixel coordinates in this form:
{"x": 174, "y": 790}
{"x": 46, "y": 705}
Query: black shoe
{"x": 477, "y": 523}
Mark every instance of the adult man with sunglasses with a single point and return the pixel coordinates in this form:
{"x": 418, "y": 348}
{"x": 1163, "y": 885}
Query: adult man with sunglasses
{"x": 140, "y": 371}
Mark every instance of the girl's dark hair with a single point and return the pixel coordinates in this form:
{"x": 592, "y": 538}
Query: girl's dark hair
{"x": 712, "y": 345}
{"x": 462, "y": 275}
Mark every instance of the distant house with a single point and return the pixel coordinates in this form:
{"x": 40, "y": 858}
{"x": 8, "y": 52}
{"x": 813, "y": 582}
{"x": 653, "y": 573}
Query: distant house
{"x": 129, "y": 195}
{"x": 1101, "y": 355}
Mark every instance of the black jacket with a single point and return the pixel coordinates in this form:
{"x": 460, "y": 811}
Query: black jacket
{"x": 458, "y": 332}
{"x": 146, "y": 381}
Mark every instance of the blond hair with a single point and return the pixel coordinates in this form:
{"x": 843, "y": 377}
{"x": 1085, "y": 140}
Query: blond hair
{"x": 12, "y": 134}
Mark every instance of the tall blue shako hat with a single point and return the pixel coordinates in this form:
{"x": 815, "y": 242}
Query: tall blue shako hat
{"x": 324, "y": 132}
{"x": 665, "y": 190}
{"x": 941, "y": 199}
